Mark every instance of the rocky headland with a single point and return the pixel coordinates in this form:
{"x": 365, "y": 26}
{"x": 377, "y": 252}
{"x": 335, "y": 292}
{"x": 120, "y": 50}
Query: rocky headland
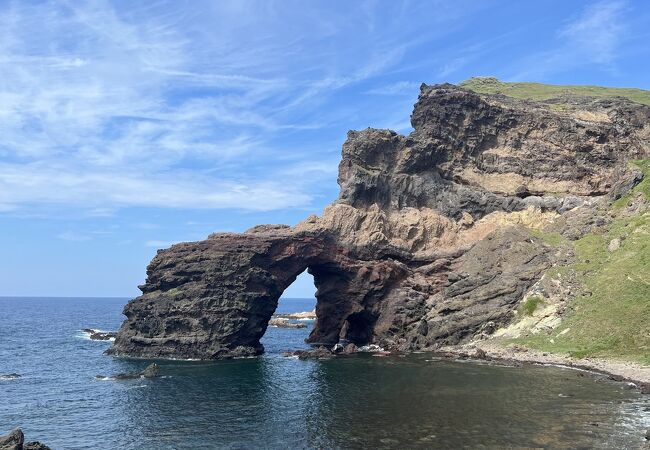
{"x": 444, "y": 237}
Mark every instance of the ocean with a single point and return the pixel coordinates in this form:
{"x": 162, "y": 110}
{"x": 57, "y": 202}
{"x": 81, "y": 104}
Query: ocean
{"x": 274, "y": 402}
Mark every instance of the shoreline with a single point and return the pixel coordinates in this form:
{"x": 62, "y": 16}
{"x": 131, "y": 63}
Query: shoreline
{"x": 623, "y": 371}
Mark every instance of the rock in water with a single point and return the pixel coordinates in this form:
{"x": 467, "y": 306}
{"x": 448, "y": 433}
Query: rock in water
{"x": 281, "y": 322}
{"x": 308, "y": 315}
{"x": 151, "y": 371}
{"x": 12, "y": 441}
{"x": 425, "y": 244}
{"x": 10, "y": 376}
{"x": 35, "y": 446}
{"x": 15, "y": 441}
{"x": 97, "y": 335}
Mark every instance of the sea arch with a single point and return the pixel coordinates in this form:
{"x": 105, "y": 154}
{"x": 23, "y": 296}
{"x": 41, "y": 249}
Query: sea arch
{"x": 214, "y": 299}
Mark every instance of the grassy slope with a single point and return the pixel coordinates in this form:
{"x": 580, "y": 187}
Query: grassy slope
{"x": 612, "y": 319}
{"x": 538, "y": 91}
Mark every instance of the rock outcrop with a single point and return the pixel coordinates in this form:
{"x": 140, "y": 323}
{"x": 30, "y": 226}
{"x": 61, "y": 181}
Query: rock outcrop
{"x": 429, "y": 242}
{"x": 16, "y": 441}
{"x": 98, "y": 335}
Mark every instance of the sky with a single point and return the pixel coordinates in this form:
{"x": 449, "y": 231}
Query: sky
{"x": 128, "y": 126}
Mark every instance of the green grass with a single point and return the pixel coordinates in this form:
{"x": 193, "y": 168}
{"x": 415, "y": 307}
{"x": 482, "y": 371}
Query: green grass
{"x": 552, "y": 238}
{"x": 541, "y": 92}
{"x": 529, "y": 306}
{"x": 612, "y": 317}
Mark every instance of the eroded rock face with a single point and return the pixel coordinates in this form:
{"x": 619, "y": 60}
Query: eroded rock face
{"x": 428, "y": 243}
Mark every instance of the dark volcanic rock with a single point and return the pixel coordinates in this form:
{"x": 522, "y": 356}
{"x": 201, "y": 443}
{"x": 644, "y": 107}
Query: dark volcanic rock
{"x": 314, "y": 353}
{"x": 35, "y": 446}
{"x": 151, "y": 371}
{"x": 97, "y": 335}
{"x": 429, "y": 242}
{"x": 15, "y": 441}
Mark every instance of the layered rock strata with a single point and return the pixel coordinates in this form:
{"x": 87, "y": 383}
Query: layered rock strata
{"x": 429, "y": 242}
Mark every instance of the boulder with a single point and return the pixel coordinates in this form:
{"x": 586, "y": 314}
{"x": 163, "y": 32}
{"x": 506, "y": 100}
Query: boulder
{"x": 349, "y": 349}
{"x": 13, "y": 440}
{"x": 314, "y": 353}
{"x": 35, "y": 446}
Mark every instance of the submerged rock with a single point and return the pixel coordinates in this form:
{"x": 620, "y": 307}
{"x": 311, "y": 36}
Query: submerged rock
{"x": 427, "y": 242}
{"x": 314, "y": 353}
{"x": 10, "y": 376}
{"x": 151, "y": 371}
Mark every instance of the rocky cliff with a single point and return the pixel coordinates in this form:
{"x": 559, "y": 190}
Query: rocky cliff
{"x": 431, "y": 240}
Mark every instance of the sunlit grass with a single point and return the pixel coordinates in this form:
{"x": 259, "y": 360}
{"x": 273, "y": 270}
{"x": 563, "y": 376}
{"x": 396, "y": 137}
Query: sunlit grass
{"x": 538, "y": 91}
{"x": 611, "y": 317}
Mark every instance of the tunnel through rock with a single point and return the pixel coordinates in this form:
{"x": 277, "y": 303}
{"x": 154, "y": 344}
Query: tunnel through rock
{"x": 215, "y": 298}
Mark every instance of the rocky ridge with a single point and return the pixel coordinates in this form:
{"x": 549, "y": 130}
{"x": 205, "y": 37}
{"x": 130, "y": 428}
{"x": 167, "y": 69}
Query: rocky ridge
{"x": 429, "y": 243}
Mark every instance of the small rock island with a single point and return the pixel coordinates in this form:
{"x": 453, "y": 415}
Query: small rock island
{"x": 437, "y": 238}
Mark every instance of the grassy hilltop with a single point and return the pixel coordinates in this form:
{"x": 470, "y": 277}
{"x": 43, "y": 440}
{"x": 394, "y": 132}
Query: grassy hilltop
{"x": 541, "y": 92}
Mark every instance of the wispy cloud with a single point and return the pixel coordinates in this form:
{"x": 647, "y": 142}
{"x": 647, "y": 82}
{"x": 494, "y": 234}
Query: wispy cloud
{"x": 73, "y": 236}
{"x": 592, "y": 38}
{"x": 103, "y": 108}
{"x": 597, "y": 33}
{"x": 160, "y": 244}
{"x": 397, "y": 88}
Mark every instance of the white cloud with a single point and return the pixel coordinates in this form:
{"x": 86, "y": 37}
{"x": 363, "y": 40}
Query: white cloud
{"x": 43, "y": 185}
{"x": 104, "y": 106}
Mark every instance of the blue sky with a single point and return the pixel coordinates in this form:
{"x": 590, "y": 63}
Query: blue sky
{"x": 127, "y": 126}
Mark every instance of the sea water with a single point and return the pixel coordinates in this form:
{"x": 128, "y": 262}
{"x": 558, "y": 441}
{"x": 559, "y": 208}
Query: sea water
{"x": 415, "y": 401}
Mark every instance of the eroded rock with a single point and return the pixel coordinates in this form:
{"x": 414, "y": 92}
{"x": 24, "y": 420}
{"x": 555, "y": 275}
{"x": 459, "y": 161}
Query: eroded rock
{"x": 12, "y": 441}
{"x": 429, "y": 239}
{"x": 98, "y": 335}
{"x": 16, "y": 441}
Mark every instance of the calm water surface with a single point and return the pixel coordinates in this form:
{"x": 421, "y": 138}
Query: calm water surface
{"x": 275, "y": 402}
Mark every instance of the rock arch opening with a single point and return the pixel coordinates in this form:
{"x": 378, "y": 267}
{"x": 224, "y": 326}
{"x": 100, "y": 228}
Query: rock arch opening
{"x": 214, "y": 299}
{"x": 295, "y": 311}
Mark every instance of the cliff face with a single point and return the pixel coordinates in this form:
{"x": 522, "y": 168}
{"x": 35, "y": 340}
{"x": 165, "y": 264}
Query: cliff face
{"x": 429, "y": 242}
